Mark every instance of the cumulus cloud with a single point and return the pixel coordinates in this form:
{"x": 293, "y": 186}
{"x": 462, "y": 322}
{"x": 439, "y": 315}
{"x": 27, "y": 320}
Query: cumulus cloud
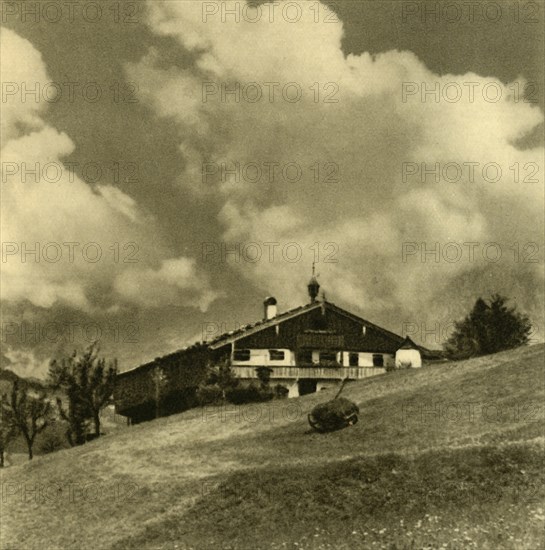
{"x": 18, "y": 115}
{"x": 370, "y": 122}
{"x": 86, "y": 238}
{"x": 180, "y": 278}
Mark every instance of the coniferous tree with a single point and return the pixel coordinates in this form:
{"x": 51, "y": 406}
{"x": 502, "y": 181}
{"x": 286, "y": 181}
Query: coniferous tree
{"x": 488, "y": 328}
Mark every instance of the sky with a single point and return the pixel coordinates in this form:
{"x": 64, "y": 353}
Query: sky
{"x": 179, "y": 161}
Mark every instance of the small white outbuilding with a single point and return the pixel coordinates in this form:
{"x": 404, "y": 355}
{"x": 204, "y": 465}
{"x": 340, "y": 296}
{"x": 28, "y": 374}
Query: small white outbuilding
{"x": 408, "y": 355}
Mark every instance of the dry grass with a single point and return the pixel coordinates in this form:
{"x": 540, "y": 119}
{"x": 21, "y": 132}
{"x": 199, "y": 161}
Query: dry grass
{"x": 155, "y": 485}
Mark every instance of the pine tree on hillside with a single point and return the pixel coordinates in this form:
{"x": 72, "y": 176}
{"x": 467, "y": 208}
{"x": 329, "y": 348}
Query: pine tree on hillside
{"x": 488, "y": 328}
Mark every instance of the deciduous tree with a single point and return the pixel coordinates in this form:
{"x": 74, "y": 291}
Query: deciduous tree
{"x": 88, "y": 382}
{"x": 8, "y": 428}
{"x": 30, "y": 414}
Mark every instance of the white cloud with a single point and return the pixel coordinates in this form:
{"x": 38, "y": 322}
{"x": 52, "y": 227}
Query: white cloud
{"x": 369, "y": 133}
{"x": 179, "y": 278}
{"x": 22, "y": 66}
{"x": 56, "y": 207}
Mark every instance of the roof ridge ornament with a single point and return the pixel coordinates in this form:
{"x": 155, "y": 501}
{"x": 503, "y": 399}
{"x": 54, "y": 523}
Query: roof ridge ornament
{"x": 313, "y": 285}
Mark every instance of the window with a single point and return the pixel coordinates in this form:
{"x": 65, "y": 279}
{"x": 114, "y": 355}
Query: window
{"x": 305, "y": 357}
{"x": 276, "y": 355}
{"x": 241, "y": 355}
{"x": 378, "y": 360}
{"x": 363, "y": 330}
{"x": 353, "y": 359}
{"x": 328, "y": 356}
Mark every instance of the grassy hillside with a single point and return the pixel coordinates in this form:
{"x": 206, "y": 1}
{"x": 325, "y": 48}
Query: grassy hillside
{"x": 448, "y": 456}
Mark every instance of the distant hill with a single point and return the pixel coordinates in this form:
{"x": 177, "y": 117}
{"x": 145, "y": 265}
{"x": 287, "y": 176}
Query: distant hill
{"x": 447, "y": 456}
{"x": 7, "y": 377}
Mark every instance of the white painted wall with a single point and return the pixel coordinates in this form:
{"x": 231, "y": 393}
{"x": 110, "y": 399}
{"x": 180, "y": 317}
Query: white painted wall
{"x": 293, "y": 387}
{"x": 411, "y": 356}
{"x": 366, "y": 359}
{"x": 260, "y": 357}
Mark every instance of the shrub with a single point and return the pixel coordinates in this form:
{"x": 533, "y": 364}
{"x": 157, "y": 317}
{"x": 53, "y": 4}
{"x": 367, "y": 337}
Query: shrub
{"x": 51, "y": 442}
{"x": 264, "y": 375}
{"x": 249, "y": 394}
{"x": 280, "y": 392}
{"x": 209, "y": 395}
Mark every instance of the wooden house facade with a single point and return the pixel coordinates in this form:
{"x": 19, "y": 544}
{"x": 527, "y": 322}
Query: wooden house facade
{"x": 306, "y": 349}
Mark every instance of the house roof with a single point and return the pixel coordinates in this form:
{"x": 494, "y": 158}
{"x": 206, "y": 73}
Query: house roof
{"x": 246, "y": 330}
{"x": 233, "y": 336}
{"x": 408, "y": 344}
{"x": 160, "y": 361}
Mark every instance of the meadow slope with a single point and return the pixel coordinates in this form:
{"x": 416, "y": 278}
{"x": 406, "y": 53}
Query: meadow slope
{"x": 447, "y": 456}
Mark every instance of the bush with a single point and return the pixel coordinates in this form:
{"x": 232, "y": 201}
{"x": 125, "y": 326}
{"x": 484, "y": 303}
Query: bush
{"x": 280, "y": 392}
{"x": 209, "y": 395}
{"x": 51, "y": 442}
{"x": 249, "y": 394}
{"x": 334, "y": 415}
{"x": 212, "y": 394}
{"x": 264, "y": 375}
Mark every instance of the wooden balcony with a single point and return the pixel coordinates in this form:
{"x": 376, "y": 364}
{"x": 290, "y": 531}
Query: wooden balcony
{"x": 320, "y": 373}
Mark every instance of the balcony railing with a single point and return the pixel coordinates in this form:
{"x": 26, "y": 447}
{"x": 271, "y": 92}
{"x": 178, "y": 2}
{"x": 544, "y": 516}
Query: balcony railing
{"x": 353, "y": 373}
